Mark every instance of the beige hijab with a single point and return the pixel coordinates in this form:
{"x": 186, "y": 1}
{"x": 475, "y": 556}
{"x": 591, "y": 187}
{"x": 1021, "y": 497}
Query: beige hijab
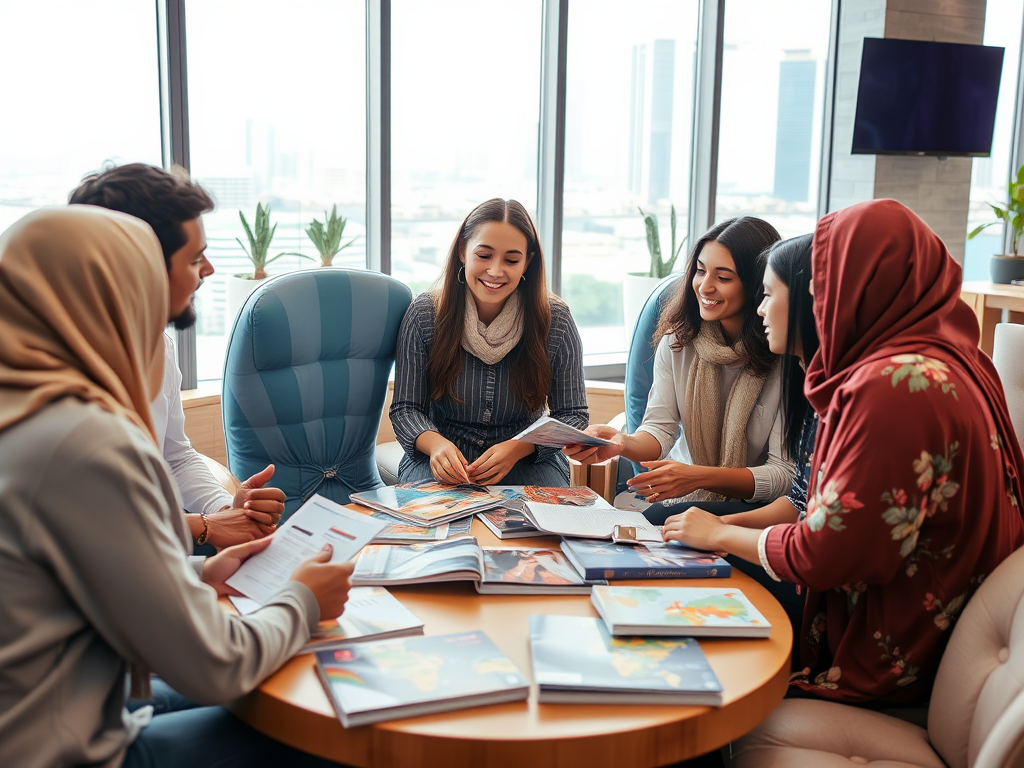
{"x": 83, "y": 301}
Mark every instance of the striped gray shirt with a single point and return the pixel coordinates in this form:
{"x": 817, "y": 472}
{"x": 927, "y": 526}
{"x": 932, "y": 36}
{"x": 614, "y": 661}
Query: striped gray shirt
{"x": 484, "y": 411}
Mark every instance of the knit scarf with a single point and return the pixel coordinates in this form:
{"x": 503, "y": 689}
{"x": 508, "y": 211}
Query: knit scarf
{"x": 716, "y": 439}
{"x": 490, "y": 343}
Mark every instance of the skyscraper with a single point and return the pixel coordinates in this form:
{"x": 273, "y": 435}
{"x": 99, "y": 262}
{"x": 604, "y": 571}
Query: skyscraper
{"x": 650, "y": 119}
{"x": 794, "y": 127}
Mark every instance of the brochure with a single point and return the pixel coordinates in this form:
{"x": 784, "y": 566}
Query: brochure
{"x": 592, "y": 522}
{"x": 410, "y": 676}
{"x": 371, "y": 613}
{"x": 317, "y": 522}
{"x": 509, "y": 521}
{"x": 601, "y": 559}
{"x": 493, "y": 570}
{"x": 575, "y": 660}
{"x": 551, "y": 433}
{"x": 428, "y": 502}
{"x": 679, "y": 611}
{"x": 399, "y": 531}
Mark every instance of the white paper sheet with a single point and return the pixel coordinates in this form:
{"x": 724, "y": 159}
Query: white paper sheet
{"x": 588, "y": 522}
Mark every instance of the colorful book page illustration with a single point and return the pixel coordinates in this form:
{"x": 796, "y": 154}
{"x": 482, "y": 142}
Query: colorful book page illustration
{"x": 427, "y": 500}
{"x": 508, "y": 520}
{"x": 580, "y": 496}
{"x": 681, "y": 606}
{"x": 387, "y": 562}
{"x": 529, "y": 566}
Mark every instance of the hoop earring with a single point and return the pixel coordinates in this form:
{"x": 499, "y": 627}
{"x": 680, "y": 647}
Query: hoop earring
{"x": 461, "y": 275}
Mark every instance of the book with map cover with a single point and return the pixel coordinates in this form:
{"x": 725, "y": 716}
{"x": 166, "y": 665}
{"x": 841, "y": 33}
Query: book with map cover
{"x": 599, "y": 559}
{"x": 428, "y": 502}
{"x": 493, "y": 570}
{"x": 406, "y": 677}
{"x": 576, "y": 660}
{"x": 399, "y": 531}
{"x": 371, "y": 613}
{"x": 679, "y": 611}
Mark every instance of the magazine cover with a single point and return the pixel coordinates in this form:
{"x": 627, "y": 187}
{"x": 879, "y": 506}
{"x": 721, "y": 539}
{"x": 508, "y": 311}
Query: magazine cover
{"x": 450, "y": 560}
{"x": 679, "y": 611}
{"x": 428, "y": 502}
{"x": 552, "y": 433}
{"x": 576, "y": 496}
{"x": 388, "y": 679}
{"x": 508, "y": 523}
{"x": 599, "y": 559}
{"x": 575, "y": 659}
{"x": 401, "y": 531}
{"x": 371, "y": 613}
{"x": 540, "y": 567}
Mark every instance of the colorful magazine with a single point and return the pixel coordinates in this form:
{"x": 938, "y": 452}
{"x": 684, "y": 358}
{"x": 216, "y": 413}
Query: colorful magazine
{"x": 598, "y": 559}
{"x": 371, "y": 613}
{"x": 679, "y": 611}
{"x": 509, "y": 521}
{"x": 551, "y": 433}
{"x": 406, "y": 677}
{"x": 428, "y": 502}
{"x": 402, "y": 532}
{"x": 493, "y": 570}
{"x": 575, "y": 660}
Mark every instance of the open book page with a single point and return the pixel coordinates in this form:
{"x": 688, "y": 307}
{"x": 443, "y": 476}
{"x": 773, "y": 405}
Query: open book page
{"x": 552, "y": 433}
{"x": 317, "y": 522}
{"x": 588, "y": 522}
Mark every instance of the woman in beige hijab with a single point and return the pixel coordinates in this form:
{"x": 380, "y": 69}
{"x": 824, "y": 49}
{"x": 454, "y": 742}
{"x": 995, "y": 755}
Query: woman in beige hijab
{"x": 83, "y": 302}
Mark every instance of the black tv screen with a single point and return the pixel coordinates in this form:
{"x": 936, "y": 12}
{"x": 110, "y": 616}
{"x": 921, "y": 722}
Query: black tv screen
{"x": 923, "y": 98}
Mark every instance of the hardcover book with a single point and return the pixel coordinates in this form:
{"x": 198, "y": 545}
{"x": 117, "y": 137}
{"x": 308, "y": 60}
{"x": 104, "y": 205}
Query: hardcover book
{"x": 406, "y": 677}
{"x": 428, "y": 502}
{"x": 493, "y": 570}
{"x": 371, "y": 613}
{"x": 679, "y": 611}
{"x": 576, "y": 660}
{"x": 595, "y": 559}
{"x": 399, "y": 531}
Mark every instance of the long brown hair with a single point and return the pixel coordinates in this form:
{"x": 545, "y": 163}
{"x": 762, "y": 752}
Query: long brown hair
{"x": 745, "y": 238}
{"x": 530, "y": 370}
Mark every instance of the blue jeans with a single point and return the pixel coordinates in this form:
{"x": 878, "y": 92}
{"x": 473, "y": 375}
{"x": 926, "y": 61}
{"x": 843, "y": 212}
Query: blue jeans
{"x": 186, "y": 735}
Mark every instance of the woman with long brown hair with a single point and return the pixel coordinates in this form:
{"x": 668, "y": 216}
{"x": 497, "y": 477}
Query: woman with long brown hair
{"x": 715, "y": 377}
{"x": 481, "y": 356}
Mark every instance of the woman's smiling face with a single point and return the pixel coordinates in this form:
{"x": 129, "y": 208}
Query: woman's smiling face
{"x": 495, "y": 261}
{"x": 719, "y": 289}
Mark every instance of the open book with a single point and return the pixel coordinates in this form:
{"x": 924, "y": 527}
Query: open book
{"x": 493, "y": 570}
{"x": 409, "y": 676}
{"x": 592, "y": 522}
{"x": 401, "y": 532}
{"x": 551, "y": 433}
{"x": 509, "y": 521}
{"x": 428, "y": 502}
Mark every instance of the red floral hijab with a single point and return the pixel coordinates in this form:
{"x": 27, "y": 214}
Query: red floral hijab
{"x": 884, "y": 285}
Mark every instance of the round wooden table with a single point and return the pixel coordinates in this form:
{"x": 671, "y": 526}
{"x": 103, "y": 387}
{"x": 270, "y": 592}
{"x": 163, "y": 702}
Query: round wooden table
{"x": 291, "y": 706}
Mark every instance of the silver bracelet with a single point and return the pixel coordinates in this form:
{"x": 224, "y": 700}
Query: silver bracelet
{"x": 762, "y": 556}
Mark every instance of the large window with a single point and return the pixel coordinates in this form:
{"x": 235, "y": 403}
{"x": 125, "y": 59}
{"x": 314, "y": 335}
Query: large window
{"x": 773, "y": 84}
{"x": 465, "y": 91}
{"x": 989, "y": 175}
{"x": 79, "y": 86}
{"x": 277, "y": 115}
{"x": 629, "y": 115}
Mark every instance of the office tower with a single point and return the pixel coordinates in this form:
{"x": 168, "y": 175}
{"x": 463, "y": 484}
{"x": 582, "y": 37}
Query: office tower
{"x": 794, "y": 127}
{"x": 650, "y": 120}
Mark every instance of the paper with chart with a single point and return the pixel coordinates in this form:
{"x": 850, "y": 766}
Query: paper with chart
{"x": 552, "y": 433}
{"x": 317, "y": 522}
{"x": 588, "y": 522}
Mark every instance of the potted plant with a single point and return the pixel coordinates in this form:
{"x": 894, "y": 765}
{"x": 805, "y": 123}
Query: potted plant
{"x": 259, "y": 236}
{"x": 327, "y": 239}
{"x": 1007, "y": 267}
{"x": 639, "y": 285}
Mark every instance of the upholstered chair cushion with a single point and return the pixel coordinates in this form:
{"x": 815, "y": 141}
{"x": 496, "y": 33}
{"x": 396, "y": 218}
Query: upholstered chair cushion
{"x": 1008, "y": 356}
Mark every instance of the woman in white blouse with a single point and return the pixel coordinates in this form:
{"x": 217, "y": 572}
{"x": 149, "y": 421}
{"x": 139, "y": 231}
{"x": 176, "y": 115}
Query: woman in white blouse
{"x": 716, "y": 378}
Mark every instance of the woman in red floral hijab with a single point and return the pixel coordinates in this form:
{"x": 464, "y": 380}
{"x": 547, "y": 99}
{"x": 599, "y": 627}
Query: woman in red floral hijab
{"x": 915, "y": 487}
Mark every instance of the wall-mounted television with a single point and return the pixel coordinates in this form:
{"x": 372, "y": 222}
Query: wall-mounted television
{"x": 923, "y": 98}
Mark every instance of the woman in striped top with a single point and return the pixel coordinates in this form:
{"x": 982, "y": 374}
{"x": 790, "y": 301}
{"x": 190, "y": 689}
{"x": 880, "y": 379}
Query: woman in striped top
{"x": 481, "y": 355}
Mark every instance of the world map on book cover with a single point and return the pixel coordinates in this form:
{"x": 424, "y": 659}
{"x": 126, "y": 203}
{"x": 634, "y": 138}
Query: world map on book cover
{"x": 678, "y": 606}
{"x": 408, "y": 670}
{"x": 529, "y": 566}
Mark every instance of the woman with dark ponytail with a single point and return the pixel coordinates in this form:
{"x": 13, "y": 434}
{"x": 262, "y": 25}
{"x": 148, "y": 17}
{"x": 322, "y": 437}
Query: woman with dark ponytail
{"x": 481, "y": 356}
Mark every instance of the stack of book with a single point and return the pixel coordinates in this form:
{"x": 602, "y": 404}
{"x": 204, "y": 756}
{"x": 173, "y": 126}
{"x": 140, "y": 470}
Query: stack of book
{"x": 679, "y": 611}
{"x": 401, "y": 532}
{"x": 428, "y": 503}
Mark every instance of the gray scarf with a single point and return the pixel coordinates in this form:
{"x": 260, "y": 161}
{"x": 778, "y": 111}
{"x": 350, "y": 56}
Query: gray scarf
{"x": 490, "y": 343}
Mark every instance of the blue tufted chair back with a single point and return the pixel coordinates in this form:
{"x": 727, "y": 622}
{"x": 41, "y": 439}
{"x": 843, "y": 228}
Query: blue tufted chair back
{"x": 305, "y": 378}
{"x": 640, "y": 367}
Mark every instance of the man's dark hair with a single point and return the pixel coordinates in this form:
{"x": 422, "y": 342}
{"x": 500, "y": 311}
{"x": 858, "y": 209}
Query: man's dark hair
{"x": 161, "y": 199}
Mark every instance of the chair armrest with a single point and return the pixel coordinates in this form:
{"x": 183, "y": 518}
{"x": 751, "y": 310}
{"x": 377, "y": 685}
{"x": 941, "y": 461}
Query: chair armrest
{"x": 222, "y": 474}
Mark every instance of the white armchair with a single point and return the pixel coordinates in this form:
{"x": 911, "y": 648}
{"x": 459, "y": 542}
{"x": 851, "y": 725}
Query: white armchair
{"x": 1008, "y": 356}
{"x": 976, "y": 717}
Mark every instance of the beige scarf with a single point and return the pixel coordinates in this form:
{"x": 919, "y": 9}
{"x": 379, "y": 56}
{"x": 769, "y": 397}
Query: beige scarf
{"x": 716, "y": 439}
{"x": 490, "y": 343}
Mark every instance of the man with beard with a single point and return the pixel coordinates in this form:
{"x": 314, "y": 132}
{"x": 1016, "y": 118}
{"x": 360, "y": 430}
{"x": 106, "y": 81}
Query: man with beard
{"x": 173, "y": 206}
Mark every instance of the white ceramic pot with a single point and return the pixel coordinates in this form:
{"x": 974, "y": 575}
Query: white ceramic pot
{"x": 238, "y": 290}
{"x": 635, "y": 291}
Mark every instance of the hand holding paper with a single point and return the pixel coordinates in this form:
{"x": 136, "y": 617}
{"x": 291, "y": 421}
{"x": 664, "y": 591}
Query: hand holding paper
{"x": 552, "y": 433}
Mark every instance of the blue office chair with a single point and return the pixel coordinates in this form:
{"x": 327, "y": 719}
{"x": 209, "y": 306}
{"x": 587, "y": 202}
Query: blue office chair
{"x": 305, "y": 378}
{"x": 640, "y": 368}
